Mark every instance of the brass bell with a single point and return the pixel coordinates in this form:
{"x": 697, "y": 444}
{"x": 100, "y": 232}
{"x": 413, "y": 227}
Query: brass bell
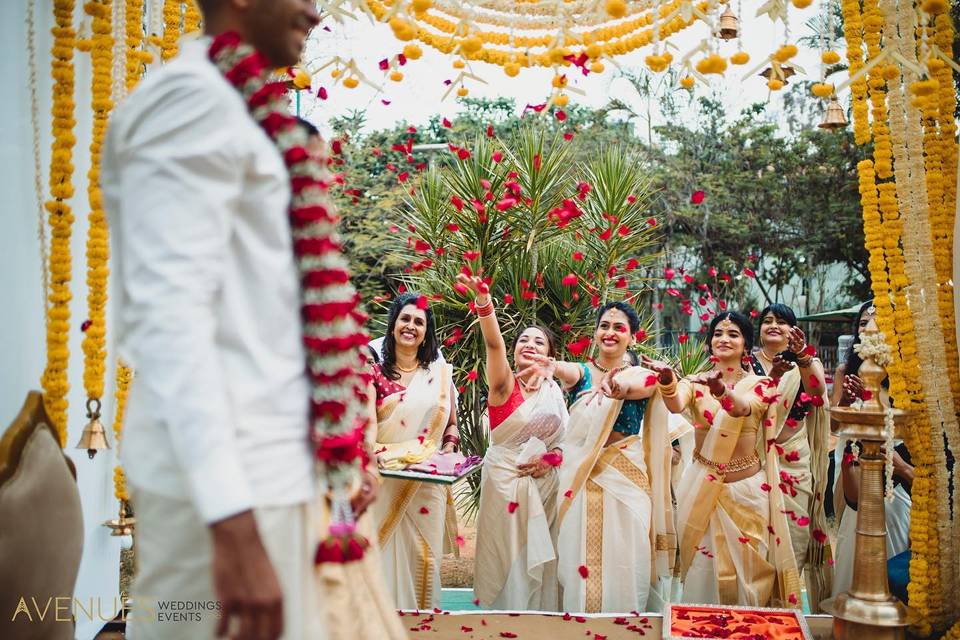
{"x": 834, "y": 117}
{"x": 729, "y": 24}
{"x": 94, "y": 437}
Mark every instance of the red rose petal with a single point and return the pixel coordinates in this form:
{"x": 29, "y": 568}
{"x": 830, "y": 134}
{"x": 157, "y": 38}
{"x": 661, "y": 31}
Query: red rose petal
{"x": 584, "y": 572}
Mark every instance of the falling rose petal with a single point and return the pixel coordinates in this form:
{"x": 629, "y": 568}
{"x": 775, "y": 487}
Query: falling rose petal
{"x": 424, "y": 510}
{"x": 568, "y": 493}
{"x": 819, "y": 536}
{"x": 490, "y": 133}
{"x": 803, "y": 521}
{"x": 384, "y": 64}
{"x": 512, "y": 506}
{"x": 466, "y": 629}
{"x": 568, "y": 136}
{"x": 472, "y": 375}
{"x": 743, "y": 540}
{"x": 749, "y": 272}
{"x": 810, "y": 350}
{"x": 765, "y": 487}
{"x": 322, "y": 93}
{"x": 552, "y": 459}
{"x": 447, "y": 124}
{"x": 507, "y": 634}
{"x": 650, "y": 381}
{"x": 560, "y": 115}
{"x": 668, "y": 273}
{"x": 476, "y": 603}
{"x": 793, "y": 598}
{"x": 423, "y": 303}
{"x": 584, "y": 572}
{"x": 697, "y": 197}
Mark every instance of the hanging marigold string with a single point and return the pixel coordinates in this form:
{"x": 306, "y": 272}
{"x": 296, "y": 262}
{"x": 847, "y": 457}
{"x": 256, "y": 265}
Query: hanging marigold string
{"x": 98, "y": 249}
{"x": 124, "y": 377}
{"x": 54, "y": 380}
{"x": 191, "y": 17}
{"x": 172, "y": 17}
{"x": 137, "y": 57}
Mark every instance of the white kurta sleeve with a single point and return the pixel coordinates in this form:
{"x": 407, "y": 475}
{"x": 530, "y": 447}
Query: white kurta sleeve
{"x": 172, "y": 184}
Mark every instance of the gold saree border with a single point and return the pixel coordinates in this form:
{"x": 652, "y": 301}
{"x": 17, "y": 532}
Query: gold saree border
{"x": 586, "y": 467}
{"x": 594, "y": 551}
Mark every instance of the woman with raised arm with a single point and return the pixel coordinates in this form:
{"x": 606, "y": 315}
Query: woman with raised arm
{"x": 803, "y": 433}
{"x": 614, "y": 480}
{"x": 516, "y": 566}
{"x": 416, "y": 416}
{"x": 734, "y": 538}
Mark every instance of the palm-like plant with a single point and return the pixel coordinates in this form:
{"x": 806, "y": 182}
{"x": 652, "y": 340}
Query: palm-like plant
{"x": 554, "y": 239}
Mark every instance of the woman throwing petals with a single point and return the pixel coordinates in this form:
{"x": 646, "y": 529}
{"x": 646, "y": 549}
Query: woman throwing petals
{"x": 516, "y": 565}
{"x": 614, "y": 480}
{"x": 734, "y": 539}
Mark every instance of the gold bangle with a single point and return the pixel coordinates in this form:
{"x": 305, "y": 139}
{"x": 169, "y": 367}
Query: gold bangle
{"x": 667, "y": 390}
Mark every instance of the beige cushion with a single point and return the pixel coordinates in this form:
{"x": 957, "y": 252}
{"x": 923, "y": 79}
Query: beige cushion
{"x": 41, "y": 530}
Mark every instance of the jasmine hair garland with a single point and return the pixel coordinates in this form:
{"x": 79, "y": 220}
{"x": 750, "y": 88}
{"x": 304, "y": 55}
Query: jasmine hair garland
{"x": 332, "y": 322}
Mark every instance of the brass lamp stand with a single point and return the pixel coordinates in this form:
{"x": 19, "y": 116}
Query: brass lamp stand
{"x": 867, "y": 610}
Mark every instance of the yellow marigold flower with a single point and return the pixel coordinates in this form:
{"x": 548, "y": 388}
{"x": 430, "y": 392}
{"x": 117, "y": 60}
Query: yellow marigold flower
{"x": 412, "y": 52}
{"x": 351, "y": 82}
{"x": 924, "y": 87}
{"x": 740, "y": 57}
{"x": 396, "y": 76}
{"x": 822, "y": 89}
{"x": 559, "y": 81}
{"x": 775, "y": 84}
{"x": 421, "y": 5}
{"x": 802, "y": 4}
{"x": 616, "y": 8}
{"x": 890, "y": 72}
{"x": 335, "y": 73}
{"x": 830, "y": 57}
{"x": 933, "y": 7}
{"x": 471, "y": 44}
{"x": 301, "y": 79}
{"x": 462, "y": 92}
{"x": 686, "y": 82}
{"x": 594, "y": 51}
{"x": 561, "y": 100}
{"x": 597, "y": 67}
{"x": 458, "y": 64}
{"x": 511, "y": 69}
{"x": 785, "y": 52}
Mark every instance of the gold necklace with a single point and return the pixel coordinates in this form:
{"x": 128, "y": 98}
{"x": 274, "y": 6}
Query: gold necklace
{"x": 415, "y": 367}
{"x": 600, "y": 368}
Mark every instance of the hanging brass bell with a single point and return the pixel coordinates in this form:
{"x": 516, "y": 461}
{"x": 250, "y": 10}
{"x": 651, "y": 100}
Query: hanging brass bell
{"x": 834, "y": 117}
{"x": 94, "y": 437}
{"x": 729, "y": 25}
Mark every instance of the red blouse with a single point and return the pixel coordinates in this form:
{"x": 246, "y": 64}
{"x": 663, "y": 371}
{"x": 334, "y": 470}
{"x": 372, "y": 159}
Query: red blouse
{"x": 501, "y": 412}
{"x": 385, "y": 387}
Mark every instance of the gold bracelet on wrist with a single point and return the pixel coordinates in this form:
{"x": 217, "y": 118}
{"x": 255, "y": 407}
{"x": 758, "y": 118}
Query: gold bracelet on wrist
{"x": 667, "y": 390}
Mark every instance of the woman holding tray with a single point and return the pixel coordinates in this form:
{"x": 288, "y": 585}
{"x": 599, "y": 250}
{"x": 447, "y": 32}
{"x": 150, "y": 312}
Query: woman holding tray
{"x": 416, "y": 416}
{"x": 735, "y": 543}
{"x": 516, "y": 526}
{"x": 616, "y": 541}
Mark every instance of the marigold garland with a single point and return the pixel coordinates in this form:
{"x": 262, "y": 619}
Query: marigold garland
{"x": 191, "y": 17}
{"x": 136, "y": 57}
{"x": 54, "y": 380}
{"x": 171, "y": 28}
{"x": 333, "y": 324}
{"x": 124, "y": 377}
{"x": 852, "y": 32}
{"x": 98, "y": 249}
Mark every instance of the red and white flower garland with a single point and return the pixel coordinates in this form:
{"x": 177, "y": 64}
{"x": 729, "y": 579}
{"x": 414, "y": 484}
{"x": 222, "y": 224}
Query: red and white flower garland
{"x": 332, "y": 322}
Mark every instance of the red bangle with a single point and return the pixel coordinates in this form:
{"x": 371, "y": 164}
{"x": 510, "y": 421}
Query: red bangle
{"x": 451, "y": 438}
{"x": 485, "y": 310}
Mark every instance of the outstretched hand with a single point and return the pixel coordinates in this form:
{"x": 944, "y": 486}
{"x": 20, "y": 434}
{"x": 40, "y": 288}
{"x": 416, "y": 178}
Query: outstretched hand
{"x": 541, "y": 368}
{"x": 475, "y": 285}
{"x": 714, "y": 381}
{"x": 797, "y": 340}
{"x": 780, "y": 367}
{"x": 852, "y": 390}
{"x": 665, "y": 374}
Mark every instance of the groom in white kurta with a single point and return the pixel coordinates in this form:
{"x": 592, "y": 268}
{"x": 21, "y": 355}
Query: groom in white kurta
{"x": 207, "y": 314}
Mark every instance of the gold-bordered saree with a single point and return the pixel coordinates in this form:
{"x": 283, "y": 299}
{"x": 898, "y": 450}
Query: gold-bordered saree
{"x": 516, "y": 565}
{"x": 416, "y": 520}
{"x": 616, "y": 542}
{"x": 735, "y": 543}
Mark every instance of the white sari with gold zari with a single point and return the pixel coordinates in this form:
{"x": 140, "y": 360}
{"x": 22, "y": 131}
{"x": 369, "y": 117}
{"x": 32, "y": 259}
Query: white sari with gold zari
{"x": 616, "y": 542}
{"x": 805, "y": 458}
{"x": 516, "y": 550}
{"x": 415, "y": 519}
{"x": 734, "y": 539}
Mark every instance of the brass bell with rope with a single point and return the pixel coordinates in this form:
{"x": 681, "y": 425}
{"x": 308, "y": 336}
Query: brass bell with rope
{"x": 834, "y": 117}
{"x": 729, "y": 25}
{"x": 94, "y": 437}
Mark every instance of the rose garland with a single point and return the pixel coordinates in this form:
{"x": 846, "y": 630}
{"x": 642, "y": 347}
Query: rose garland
{"x": 54, "y": 380}
{"x": 98, "y": 249}
{"x": 333, "y": 324}
{"x": 171, "y": 29}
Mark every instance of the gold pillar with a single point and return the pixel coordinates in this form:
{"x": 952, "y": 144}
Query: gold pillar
{"x": 867, "y": 609}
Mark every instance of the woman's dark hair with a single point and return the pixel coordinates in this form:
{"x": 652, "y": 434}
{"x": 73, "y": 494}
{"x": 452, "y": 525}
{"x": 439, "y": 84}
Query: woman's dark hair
{"x": 632, "y": 316}
{"x": 551, "y": 339}
{"x": 429, "y": 349}
{"x": 743, "y": 323}
{"x": 781, "y": 312}
{"x": 853, "y": 358}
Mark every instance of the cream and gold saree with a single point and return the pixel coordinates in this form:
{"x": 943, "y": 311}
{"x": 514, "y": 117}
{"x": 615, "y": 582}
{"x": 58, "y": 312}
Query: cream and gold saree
{"x": 414, "y": 519}
{"x": 516, "y": 558}
{"x": 734, "y": 539}
{"x": 805, "y": 461}
{"x": 616, "y": 541}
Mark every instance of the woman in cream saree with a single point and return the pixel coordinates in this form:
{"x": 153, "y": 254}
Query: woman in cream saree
{"x": 803, "y": 433}
{"x": 516, "y": 534}
{"x": 415, "y": 417}
{"x": 615, "y": 542}
{"x": 733, "y": 535}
